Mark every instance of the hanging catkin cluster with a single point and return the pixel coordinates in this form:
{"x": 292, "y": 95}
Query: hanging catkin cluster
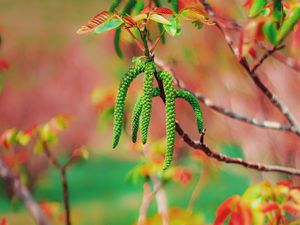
{"x": 143, "y": 107}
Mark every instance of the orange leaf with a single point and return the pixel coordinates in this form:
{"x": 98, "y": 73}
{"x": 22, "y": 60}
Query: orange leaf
{"x": 96, "y": 21}
{"x": 195, "y": 14}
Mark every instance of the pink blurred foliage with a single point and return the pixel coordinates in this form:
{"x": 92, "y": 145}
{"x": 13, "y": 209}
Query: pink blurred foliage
{"x": 47, "y": 92}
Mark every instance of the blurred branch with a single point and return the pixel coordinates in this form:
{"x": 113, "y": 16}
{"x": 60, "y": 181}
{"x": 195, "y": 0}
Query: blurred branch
{"x": 63, "y": 177}
{"x": 23, "y": 193}
{"x": 230, "y": 160}
{"x": 206, "y": 101}
{"x": 251, "y": 72}
{"x": 203, "y": 177}
{"x": 158, "y": 192}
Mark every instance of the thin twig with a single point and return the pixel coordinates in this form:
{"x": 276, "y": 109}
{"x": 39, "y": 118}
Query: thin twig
{"x": 63, "y": 177}
{"x": 23, "y": 193}
{"x": 265, "y": 56}
{"x": 290, "y": 62}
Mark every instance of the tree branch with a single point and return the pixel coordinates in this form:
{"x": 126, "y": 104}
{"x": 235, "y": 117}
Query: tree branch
{"x": 267, "y": 124}
{"x": 23, "y": 193}
{"x": 63, "y": 177}
{"x": 271, "y": 96}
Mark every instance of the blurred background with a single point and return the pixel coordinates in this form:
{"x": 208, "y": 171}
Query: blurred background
{"x": 52, "y": 70}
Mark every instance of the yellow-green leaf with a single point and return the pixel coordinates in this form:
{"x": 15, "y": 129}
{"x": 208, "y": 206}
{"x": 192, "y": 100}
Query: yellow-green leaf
{"x": 257, "y": 7}
{"x": 289, "y": 23}
{"x": 159, "y": 19}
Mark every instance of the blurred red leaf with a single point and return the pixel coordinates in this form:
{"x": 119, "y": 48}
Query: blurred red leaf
{"x": 186, "y": 3}
{"x": 96, "y": 21}
{"x": 291, "y": 209}
{"x": 269, "y": 207}
{"x": 182, "y": 175}
{"x": 225, "y": 209}
{"x": 3, "y": 65}
{"x": 3, "y": 221}
{"x": 163, "y": 10}
{"x": 287, "y": 183}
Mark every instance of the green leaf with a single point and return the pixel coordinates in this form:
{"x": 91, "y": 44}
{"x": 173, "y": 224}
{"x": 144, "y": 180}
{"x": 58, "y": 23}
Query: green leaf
{"x": 278, "y": 10}
{"x": 289, "y": 23}
{"x": 23, "y": 138}
{"x": 159, "y": 19}
{"x": 109, "y": 25}
{"x": 172, "y": 28}
{"x": 257, "y": 7}
{"x": 270, "y": 32}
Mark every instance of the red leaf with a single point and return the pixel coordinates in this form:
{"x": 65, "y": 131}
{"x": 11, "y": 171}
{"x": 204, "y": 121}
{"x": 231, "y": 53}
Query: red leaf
{"x": 252, "y": 53}
{"x": 186, "y": 3}
{"x": 163, "y": 10}
{"x": 3, "y": 221}
{"x": 225, "y": 209}
{"x": 291, "y": 209}
{"x": 96, "y": 21}
{"x": 248, "y": 3}
{"x": 3, "y": 65}
{"x": 269, "y": 207}
{"x": 130, "y": 22}
{"x": 287, "y": 183}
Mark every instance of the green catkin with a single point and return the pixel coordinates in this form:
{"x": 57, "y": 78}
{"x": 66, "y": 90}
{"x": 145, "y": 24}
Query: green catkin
{"x": 168, "y": 85}
{"x": 150, "y": 69}
{"x": 120, "y": 100}
{"x": 114, "y": 5}
{"x": 192, "y": 100}
{"x": 137, "y": 110}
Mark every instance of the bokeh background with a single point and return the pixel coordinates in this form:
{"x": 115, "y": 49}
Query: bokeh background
{"x": 53, "y": 70}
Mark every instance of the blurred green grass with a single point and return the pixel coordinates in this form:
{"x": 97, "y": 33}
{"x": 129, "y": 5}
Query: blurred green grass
{"x": 101, "y": 195}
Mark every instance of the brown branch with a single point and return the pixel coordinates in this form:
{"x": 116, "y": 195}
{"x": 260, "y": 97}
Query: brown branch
{"x": 23, "y": 193}
{"x": 267, "y": 124}
{"x": 261, "y": 60}
{"x": 63, "y": 177}
{"x": 271, "y": 96}
{"x": 230, "y": 160}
